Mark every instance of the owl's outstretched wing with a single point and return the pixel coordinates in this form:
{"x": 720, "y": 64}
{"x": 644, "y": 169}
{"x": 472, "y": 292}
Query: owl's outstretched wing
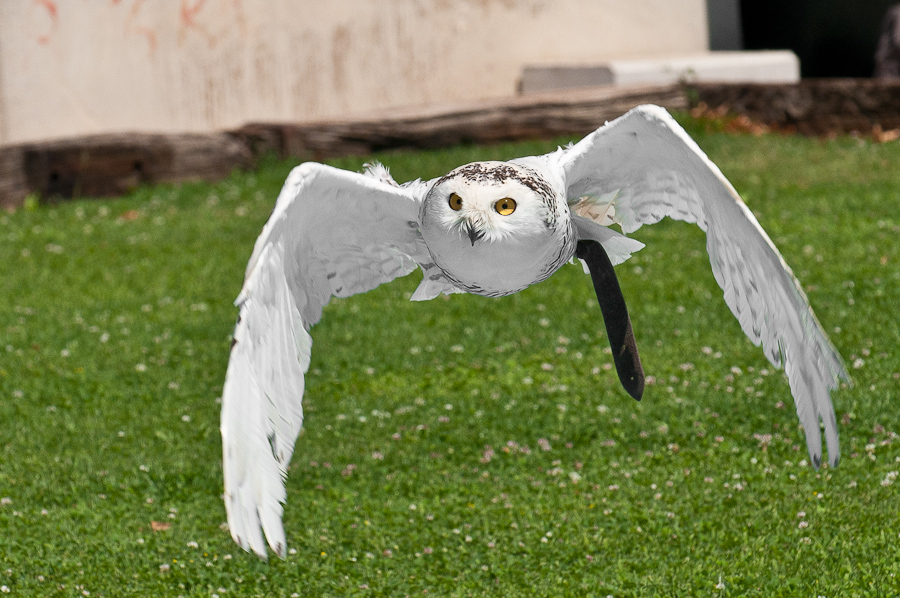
{"x": 332, "y": 233}
{"x": 647, "y": 167}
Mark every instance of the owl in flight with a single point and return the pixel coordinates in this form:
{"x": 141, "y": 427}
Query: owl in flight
{"x": 492, "y": 229}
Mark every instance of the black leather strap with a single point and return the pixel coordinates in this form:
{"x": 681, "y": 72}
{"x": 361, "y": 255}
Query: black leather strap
{"x": 615, "y": 316}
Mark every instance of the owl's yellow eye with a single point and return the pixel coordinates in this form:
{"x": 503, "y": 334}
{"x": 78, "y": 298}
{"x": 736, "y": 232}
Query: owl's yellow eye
{"x": 455, "y": 202}
{"x": 505, "y": 206}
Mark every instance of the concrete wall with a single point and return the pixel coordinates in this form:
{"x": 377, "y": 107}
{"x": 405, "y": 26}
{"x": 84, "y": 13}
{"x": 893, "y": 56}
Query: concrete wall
{"x": 73, "y": 67}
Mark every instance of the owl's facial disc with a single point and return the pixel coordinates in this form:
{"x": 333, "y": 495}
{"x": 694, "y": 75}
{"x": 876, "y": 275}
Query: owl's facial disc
{"x": 493, "y": 228}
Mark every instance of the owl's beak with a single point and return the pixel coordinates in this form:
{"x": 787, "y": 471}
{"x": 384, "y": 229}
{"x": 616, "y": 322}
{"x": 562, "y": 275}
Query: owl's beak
{"x": 473, "y": 233}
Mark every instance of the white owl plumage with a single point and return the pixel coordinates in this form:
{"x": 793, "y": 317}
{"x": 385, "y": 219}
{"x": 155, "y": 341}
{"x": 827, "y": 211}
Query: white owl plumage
{"x": 338, "y": 233}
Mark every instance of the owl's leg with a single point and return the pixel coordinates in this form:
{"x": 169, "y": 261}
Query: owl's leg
{"x": 615, "y": 316}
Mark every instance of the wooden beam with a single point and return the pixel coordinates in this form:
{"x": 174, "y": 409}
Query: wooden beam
{"x": 538, "y": 116}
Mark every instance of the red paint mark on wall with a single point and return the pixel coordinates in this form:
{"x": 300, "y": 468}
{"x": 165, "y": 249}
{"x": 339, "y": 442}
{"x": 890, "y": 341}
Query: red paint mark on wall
{"x": 188, "y": 12}
{"x": 50, "y": 5}
{"x": 239, "y": 17}
{"x": 52, "y": 11}
{"x": 188, "y": 16}
{"x": 148, "y": 33}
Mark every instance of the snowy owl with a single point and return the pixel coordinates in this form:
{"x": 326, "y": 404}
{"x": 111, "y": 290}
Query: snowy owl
{"x": 493, "y": 228}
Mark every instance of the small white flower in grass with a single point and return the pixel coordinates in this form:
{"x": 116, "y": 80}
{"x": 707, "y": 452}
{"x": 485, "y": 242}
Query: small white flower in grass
{"x": 890, "y": 478}
{"x": 185, "y": 418}
{"x": 5, "y": 500}
{"x": 456, "y": 349}
{"x": 547, "y": 367}
{"x": 192, "y": 544}
{"x": 164, "y": 568}
{"x": 721, "y": 584}
{"x": 803, "y": 524}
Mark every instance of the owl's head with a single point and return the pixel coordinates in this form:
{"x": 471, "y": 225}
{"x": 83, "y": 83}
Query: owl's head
{"x": 494, "y": 225}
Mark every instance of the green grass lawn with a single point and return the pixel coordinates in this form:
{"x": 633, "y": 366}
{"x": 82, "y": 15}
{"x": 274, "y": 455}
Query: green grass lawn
{"x": 463, "y": 446}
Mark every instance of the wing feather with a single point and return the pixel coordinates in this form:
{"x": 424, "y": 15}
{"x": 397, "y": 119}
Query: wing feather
{"x": 332, "y": 233}
{"x": 654, "y": 169}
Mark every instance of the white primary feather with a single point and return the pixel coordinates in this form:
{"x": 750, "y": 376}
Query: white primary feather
{"x": 657, "y": 170}
{"x": 332, "y": 232}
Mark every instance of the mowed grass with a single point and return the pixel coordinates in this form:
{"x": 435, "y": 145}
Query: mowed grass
{"x": 463, "y": 446}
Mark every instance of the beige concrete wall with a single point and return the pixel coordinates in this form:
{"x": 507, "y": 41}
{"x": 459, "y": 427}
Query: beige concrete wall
{"x": 70, "y": 67}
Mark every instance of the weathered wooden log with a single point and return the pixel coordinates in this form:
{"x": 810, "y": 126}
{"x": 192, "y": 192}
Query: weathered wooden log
{"x": 537, "y": 116}
{"x": 811, "y": 107}
{"x": 104, "y": 165}
{"x": 13, "y": 186}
